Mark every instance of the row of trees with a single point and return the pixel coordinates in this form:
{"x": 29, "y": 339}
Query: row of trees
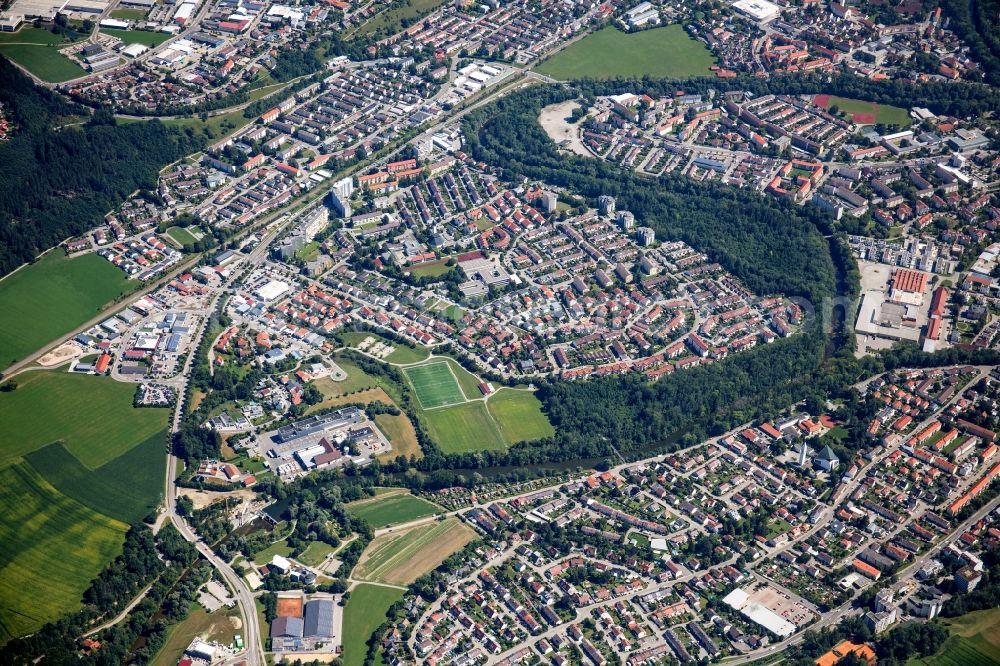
{"x": 956, "y": 99}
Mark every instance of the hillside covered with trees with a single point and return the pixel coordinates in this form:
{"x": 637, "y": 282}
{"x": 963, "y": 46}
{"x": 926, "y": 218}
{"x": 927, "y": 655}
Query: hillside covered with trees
{"x": 56, "y": 183}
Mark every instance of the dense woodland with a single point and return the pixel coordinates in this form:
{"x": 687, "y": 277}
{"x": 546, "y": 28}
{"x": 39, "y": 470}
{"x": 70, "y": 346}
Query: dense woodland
{"x": 975, "y": 22}
{"x": 56, "y": 184}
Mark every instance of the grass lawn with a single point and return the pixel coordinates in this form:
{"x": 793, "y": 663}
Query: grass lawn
{"x": 392, "y": 510}
{"x": 182, "y": 235}
{"x": 92, "y": 416}
{"x": 610, "y": 53}
{"x": 400, "y": 558}
{"x": 434, "y": 384}
{"x": 837, "y": 433}
{"x": 45, "y": 62}
{"x": 404, "y": 354}
{"x": 215, "y": 127}
{"x": 144, "y": 37}
{"x": 277, "y": 548}
{"x": 265, "y": 85}
{"x": 127, "y": 488}
{"x": 31, "y": 35}
{"x": 401, "y": 435}
{"x": 364, "y": 612}
{"x": 129, "y": 14}
{"x": 217, "y": 626}
{"x": 466, "y": 427}
{"x": 51, "y": 547}
{"x": 776, "y": 527}
{"x": 400, "y": 354}
{"x": 519, "y": 415}
{"x": 315, "y": 553}
{"x": 866, "y": 113}
{"x": 357, "y": 380}
{"x": 55, "y": 295}
{"x": 391, "y": 20}
{"x": 974, "y": 641}
{"x": 468, "y": 381}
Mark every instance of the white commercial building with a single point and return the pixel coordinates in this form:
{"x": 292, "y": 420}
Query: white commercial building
{"x": 273, "y": 289}
{"x": 759, "y": 10}
{"x": 739, "y": 600}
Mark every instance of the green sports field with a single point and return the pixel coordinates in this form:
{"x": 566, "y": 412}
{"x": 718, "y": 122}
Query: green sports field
{"x": 182, "y": 235}
{"x": 519, "y": 415}
{"x": 51, "y": 547}
{"x": 465, "y": 427}
{"x": 392, "y": 510}
{"x": 434, "y": 384}
{"x": 92, "y": 416}
{"x": 610, "y": 53}
{"x": 364, "y": 612}
{"x": 51, "y": 297}
{"x": 865, "y": 113}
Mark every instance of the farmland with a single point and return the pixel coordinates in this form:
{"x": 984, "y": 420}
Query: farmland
{"x": 519, "y": 415}
{"x": 386, "y": 510}
{"x": 127, "y": 488}
{"x": 56, "y": 294}
{"x": 402, "y": 557}
{"x": 363, "y": 614}
{"x": 610, "y": 53}
{"x": 36, "y": 49}
{"x": 865, "y": 113}
{"x": 401, "y": 435}
{"x": 974, "y": 641}
{"x": 465, "y": 427}
{"x": 434, "y": 384}
{"x": 81, "y": 463}
{"x": 51, "y": 545}
{"x": 51, "y": 406}
{"x": 45, "y": 62}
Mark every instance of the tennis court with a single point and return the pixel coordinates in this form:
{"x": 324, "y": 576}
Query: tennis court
{"x": 435, "y": 385}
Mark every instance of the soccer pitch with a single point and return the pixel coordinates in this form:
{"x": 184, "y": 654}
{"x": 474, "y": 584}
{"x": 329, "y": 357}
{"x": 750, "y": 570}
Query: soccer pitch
{"x": 435, "y": 385}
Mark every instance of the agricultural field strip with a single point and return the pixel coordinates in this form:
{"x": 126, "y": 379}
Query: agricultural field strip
{"x": 397, "y": 551}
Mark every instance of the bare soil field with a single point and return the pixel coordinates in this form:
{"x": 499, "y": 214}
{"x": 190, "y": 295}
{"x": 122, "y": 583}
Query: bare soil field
{"x": 554, "y": 119}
